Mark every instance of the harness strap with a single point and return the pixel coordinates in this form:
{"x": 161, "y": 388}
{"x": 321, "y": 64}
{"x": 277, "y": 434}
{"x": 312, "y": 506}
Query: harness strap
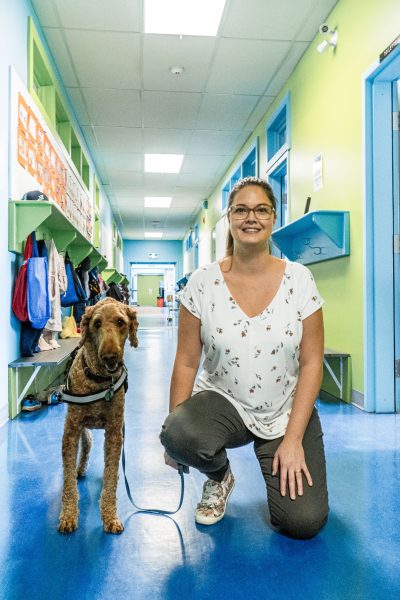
{"x": 106, "y": 394}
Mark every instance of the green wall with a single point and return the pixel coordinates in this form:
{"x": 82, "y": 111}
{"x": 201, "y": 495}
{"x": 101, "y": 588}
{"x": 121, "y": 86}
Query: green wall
{"x": 327, "y": 116}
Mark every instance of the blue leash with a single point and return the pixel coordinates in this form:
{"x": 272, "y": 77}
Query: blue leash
{"x": 154, "y": 511}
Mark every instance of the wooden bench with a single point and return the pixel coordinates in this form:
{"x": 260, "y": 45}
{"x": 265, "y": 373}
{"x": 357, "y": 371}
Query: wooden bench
{"x": 49, "y": 358}
{"x": 336, "y": 382}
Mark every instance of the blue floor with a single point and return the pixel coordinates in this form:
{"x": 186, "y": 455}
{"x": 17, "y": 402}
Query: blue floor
{"x": 356, "y": 556}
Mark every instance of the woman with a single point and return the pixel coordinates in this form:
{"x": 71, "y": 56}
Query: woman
{"x": 258, "y": 320}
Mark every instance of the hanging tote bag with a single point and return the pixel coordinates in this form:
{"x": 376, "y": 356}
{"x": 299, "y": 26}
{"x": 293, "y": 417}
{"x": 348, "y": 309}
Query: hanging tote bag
{"x": 19, "y": 303}
{"x": 38, "y": 289}
{"x": 75, "y": 292}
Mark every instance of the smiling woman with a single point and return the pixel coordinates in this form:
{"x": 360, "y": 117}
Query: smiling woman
{"x": 258, "y": 320}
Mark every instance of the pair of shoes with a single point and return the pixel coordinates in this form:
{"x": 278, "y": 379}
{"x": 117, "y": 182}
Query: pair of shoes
{"x": 212, "y": 505}
{"x": 54, "y": 344}
{"x": 30, "y": 403}
{"x": 43, "y": 345}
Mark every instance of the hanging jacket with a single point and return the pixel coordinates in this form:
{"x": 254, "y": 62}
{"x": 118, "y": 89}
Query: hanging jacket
{"x": 57, "y": 286}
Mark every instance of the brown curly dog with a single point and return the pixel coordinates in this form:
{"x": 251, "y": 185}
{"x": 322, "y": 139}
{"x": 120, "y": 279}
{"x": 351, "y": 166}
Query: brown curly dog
{"x": 104, "y": 329}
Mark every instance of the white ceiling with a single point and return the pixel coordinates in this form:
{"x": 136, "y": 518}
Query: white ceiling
{"x": 128, "y": 103}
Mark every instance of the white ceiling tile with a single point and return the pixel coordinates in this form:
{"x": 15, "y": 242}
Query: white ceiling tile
{"x": 119, "y": 139}
{"x": 159, "y": 182}
{"x": 265, "y": 19}
{"x": 124, "y": 161}
{"x": 58, "y": 49}
{"x": 97, "y": 58}
{"x": 258, "y": 112}
{"x": 201, "y": 164}
{"x": 78, "y": 105}
{"x": 90, "y": 138}
{"x": 286, "y": 68}
{"x": 160, "y": 109}
{"x": 160, "y": 52}
{"x": 225, "y": 112}
{"x": 169, "y": 141}
{"x": 118, "y": 15}
{"x": 189, "y": 179}
{"x": 120, "y": 177}
{"x": 114, "y": 108}
{"x": 213, "y": 142}
{"x": 251, "y": 65}
{"x": 46, "y": 13}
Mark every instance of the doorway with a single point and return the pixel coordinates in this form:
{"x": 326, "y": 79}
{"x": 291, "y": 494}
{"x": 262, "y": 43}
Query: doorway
{"x": 162, "y": 284}
{"x": 382, "y": 246}
{"x": 148, "y": 289}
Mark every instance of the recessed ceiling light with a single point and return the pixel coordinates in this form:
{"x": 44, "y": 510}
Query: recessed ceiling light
{"x": 157, "y": 202}
{"x": 153, "y": 234}
{"x": 163, "y": 163}
{"x": 183, "y": 17}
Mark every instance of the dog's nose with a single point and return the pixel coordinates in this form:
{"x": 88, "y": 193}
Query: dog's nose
{"x": 110, "y": 361}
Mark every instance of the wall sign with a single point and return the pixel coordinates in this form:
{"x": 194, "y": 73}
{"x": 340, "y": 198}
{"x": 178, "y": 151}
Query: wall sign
{"x": 389, "y": 49}
{"x": 39, "y": 162}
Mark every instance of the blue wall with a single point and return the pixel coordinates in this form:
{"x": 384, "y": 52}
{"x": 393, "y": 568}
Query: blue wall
{"x": 168, "y": 251}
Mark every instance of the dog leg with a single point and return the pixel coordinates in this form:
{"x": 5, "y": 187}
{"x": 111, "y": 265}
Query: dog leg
{"x": 69, "y": 503}
{"x": 108, "y": 501}
{"x": 86, "y": 446}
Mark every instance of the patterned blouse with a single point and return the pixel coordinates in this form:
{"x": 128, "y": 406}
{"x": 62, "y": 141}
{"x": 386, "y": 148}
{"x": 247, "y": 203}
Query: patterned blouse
{"x": 252, "y": 361}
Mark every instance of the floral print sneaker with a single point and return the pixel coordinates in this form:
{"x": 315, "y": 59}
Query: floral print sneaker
{"x": 212, "y": 505}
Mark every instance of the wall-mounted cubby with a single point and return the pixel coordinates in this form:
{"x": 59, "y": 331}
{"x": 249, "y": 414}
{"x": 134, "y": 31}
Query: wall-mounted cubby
{"x": 317, "y": 236}
{"x": 49, "y": 222}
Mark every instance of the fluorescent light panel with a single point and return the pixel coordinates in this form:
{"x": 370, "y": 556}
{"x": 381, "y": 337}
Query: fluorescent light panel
{"x": 163, "y": 163}
{"x": 183, "y": 17}
{"x": 157, "y": 202}
{"x": 153, "y": 234}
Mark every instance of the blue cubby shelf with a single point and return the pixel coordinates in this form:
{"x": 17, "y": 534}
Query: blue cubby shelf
{"x": 316, "y": 236}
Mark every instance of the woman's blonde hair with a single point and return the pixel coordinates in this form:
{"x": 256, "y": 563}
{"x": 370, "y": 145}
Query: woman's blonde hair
{"x": 245, "y": 182}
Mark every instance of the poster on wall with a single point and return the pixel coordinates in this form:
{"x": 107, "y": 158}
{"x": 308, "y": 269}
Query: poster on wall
{"x": 39, "y": 162}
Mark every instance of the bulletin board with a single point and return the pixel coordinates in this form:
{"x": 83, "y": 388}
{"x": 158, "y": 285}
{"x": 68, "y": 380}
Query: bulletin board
{"x": 39, "y": 162}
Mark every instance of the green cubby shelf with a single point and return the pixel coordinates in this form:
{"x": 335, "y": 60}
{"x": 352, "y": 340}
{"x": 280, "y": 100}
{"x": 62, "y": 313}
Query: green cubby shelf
{"x": 315, "y": 237}
{"x": 49, "y": 222}
{"x": 113, "y": 276}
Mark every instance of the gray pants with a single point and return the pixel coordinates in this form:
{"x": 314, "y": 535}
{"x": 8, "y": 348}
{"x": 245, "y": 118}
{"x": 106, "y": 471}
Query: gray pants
{"x": 200, "y": 429}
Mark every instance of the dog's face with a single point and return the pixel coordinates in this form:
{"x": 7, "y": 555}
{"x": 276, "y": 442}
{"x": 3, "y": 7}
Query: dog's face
{"x": 107, "y": 325}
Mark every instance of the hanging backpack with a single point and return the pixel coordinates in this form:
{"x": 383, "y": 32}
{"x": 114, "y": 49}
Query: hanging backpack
{"x": 75, "y": 292}
{"x": 38, "y": 288}
{"x": 19, "y": 303}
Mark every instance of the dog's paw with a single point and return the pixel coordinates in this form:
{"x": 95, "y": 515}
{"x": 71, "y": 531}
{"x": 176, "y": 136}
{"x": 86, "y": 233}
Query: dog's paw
{"x": 68, "y": 524}
{"x": 113, "y": 526}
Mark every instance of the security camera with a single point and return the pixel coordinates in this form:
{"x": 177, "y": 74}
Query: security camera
{"x": 324, "y": 28}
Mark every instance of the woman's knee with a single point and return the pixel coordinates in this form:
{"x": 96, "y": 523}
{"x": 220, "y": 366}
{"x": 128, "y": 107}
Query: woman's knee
{"x": 304, "y": 524}
{"x": 179, "y": 437}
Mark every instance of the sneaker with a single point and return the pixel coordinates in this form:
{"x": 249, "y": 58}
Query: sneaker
{"x": 212, "y": 506}
{"x": 30, "y": 403}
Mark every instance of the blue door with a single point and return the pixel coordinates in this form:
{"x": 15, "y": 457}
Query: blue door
{"x": 278, "y": 181}
{"x": 396, "y": 238}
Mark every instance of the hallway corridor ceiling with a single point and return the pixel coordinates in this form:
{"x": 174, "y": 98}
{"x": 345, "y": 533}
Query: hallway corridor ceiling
{"x": 128, "y": 102}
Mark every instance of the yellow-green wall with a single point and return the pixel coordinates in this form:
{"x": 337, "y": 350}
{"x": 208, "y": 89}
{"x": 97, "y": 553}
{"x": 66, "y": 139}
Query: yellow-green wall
{"x": 326, "y": 111}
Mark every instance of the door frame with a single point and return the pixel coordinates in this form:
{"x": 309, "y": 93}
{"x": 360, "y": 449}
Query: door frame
{"x": 379, "y": 377}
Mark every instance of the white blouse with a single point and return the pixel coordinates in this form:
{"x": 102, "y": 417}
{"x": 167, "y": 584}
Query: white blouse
{"x": 252, "y": 361}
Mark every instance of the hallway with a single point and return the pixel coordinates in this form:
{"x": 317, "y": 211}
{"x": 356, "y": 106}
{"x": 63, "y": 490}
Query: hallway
{"x": 157, "y": 558}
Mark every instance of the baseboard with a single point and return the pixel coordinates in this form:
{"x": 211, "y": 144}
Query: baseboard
{"x": 357, "y": 398}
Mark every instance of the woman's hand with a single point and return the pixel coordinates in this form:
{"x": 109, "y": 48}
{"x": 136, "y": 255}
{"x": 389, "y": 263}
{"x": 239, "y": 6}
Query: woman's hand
{"x": 170, "y": 461}
{"x": 289, "y": 459}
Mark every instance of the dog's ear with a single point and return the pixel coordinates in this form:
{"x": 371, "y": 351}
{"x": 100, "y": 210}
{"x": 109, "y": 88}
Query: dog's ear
{"x": 133, "y": 326}
{"x": 84, "y": 325}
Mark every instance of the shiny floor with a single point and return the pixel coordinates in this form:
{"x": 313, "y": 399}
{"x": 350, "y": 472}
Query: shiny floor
{"x": 356, "y": 556}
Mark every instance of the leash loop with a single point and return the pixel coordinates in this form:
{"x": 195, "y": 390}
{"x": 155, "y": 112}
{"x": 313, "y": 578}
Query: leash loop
{"x": 153, "y": 511}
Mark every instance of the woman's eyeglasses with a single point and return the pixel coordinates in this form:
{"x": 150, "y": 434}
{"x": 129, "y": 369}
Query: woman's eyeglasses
{"x": 263, "y": 212}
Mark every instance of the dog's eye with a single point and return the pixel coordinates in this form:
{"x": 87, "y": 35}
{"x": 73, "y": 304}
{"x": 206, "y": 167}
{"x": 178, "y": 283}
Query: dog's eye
{"x": 97, "y": 324}
{"x": 120, "y": 322}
